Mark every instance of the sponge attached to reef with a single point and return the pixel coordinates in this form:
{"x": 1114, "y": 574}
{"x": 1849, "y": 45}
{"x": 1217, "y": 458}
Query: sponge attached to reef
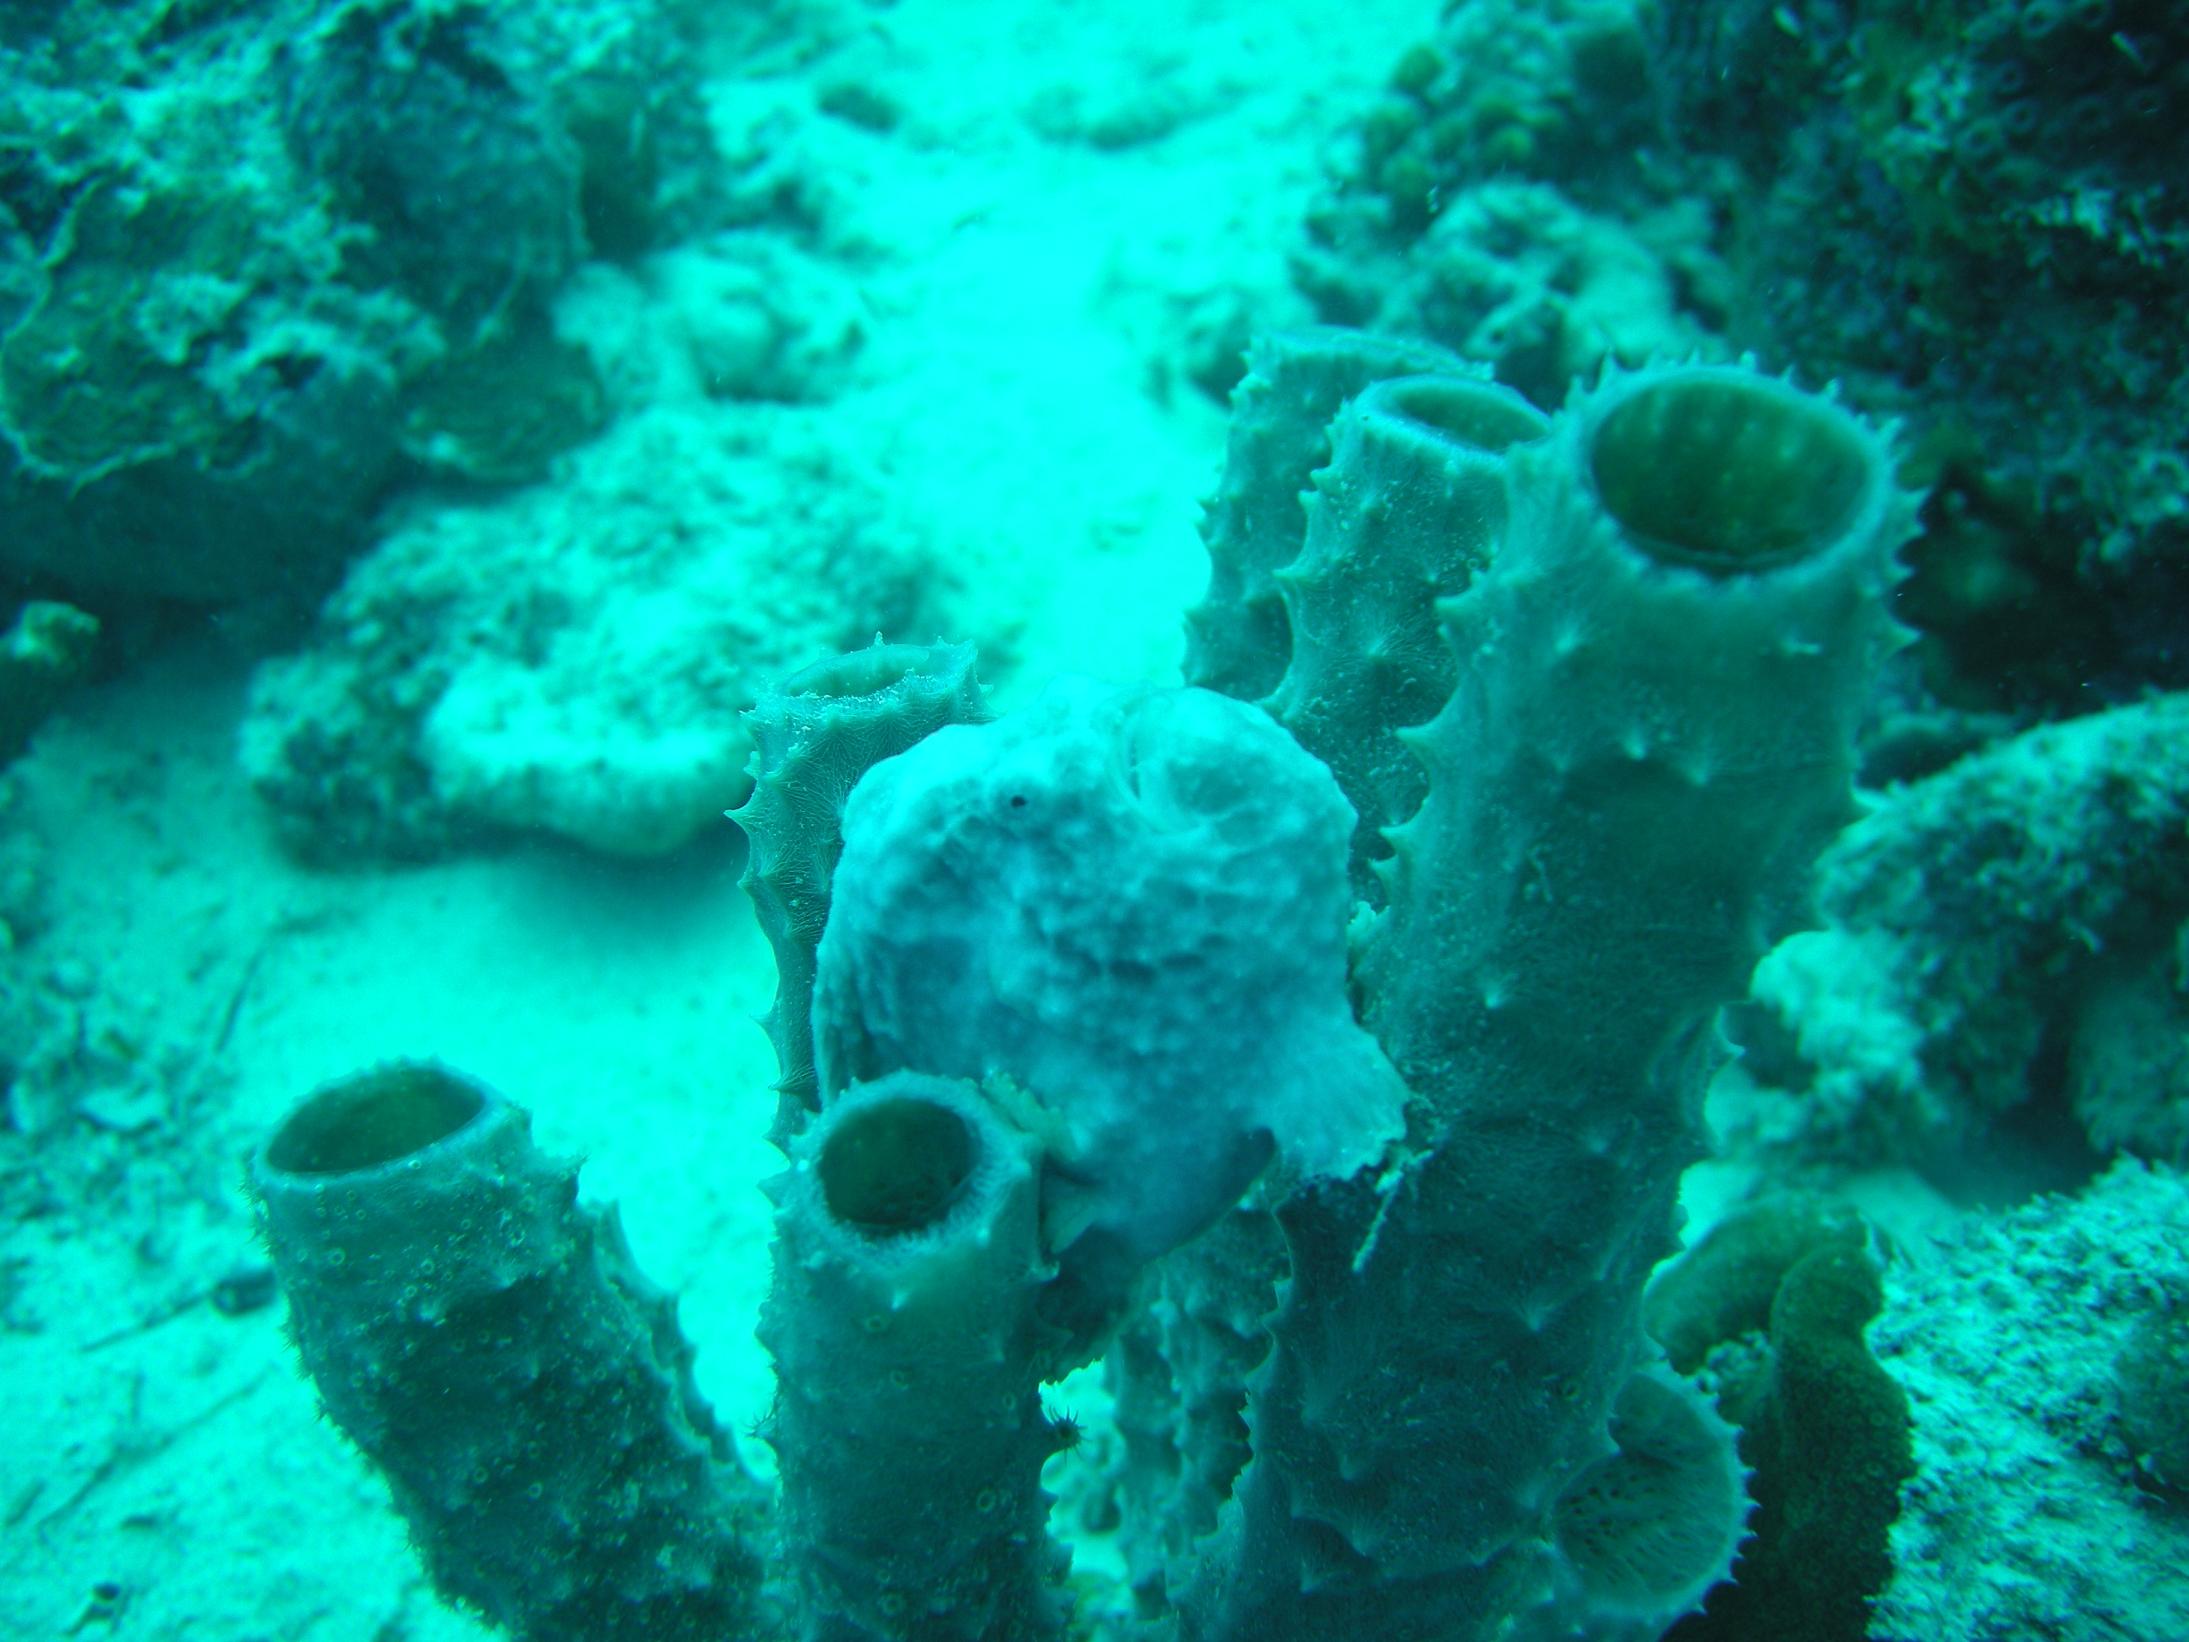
{"x": 492, "y": 1347}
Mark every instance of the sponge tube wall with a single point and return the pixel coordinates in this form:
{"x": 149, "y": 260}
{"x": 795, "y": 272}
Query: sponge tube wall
{"x": 493, "y": 1349}
{"x": 1649, "y": 737}
{"x": 814, "y": 735}
{"x": 908, "y": 1363}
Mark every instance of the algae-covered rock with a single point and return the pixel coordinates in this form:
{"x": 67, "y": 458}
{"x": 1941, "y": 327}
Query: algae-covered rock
{"x": 1967, "y": 213}
{"x": 370, "y": 102}
{"x": 255, "y": 256}
{"x": 2027, "y": 899}
{"x": 2028, "y": 1513}
{"x": 2153, "y": 1375}
{"x": 193, "y": 405}
{"x": 2128, "y": 1066}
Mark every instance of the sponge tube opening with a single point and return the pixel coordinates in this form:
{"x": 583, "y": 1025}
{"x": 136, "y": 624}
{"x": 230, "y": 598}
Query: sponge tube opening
{"x": 1478, "y": 415}
{"x": 1731, "y": 472}
{"x": 896, "y": 1167}
{"x": 374, "y": 1118}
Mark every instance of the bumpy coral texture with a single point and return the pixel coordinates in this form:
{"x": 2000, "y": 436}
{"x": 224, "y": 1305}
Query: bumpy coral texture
{"x": 2030, "y": 898}
{"x": 2028, "y": 1514}
{"x": 253, "y": 255}
{"x": 571, "y": 659}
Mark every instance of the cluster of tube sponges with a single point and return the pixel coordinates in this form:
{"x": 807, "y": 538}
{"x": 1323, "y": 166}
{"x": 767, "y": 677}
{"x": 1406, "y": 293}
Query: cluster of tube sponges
{"x": 1407, "y": 927}
{"x": 1607, "y": 725}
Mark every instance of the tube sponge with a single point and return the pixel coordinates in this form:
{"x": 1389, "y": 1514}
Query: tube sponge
{"x": 908, "y": 1359}
{"x": 1657, "y": 679}
{"x": 1132, "y": 903}
{"x": 492, "y": 1348}
{"x": 1238, "y": 641}
{"x": 1656, "y": 704}
{"x": 814, "y": 735}
{"x": 1411, "y": 506}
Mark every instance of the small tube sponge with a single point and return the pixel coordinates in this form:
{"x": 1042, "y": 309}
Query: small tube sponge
{"x": 493, "y": 1349}
{"x": 1238, "y": 640}
{"x": 1823, "y": 1425}
{"x": 908, "y": 1414}
{"x": 1411, "y": 506}
{"x": 1132, "y": 903}
{"x": 814, "y": 735}
{"x": 1724, "y": 1285}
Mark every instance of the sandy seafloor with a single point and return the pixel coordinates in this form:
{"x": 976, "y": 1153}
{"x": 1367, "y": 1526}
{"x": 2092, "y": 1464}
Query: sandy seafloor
{"x": 163, "y": 1471}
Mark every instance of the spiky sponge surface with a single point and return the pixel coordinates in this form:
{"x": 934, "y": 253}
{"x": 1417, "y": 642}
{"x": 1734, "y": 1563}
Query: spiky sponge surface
{"x": 495, "y": 1351}
{"x": 814, "y": 735}
{"x": 1238, "y": 640}
{"x": 1657, "y": 676}
{"x": 1410, "y": 508}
